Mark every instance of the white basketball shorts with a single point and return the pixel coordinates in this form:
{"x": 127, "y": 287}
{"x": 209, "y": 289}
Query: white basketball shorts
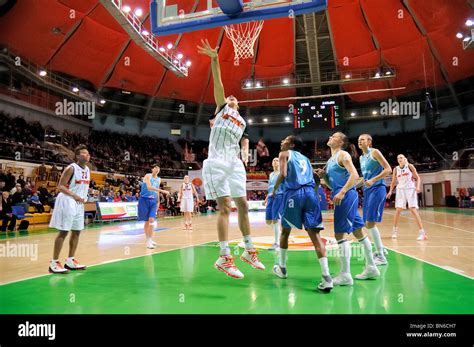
{"x": 406, "y": 196}
{"x": 67, "y": 214}
{"x": 224, "y": 179}
{"x": 187, "y": 205}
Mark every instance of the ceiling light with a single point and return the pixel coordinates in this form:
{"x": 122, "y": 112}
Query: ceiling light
{"x": 138, "y": 12}
{"x": 43, "y": 73}
{"x": 126, "y": 9}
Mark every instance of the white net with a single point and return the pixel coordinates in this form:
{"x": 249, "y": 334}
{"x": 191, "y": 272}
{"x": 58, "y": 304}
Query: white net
{"x": 243, "y": 36}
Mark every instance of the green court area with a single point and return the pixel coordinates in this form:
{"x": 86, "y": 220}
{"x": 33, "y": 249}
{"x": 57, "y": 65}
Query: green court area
{"x": 184, "y": 281}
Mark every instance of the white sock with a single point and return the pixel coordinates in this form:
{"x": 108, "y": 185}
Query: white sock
{"x": 54, "y": 261}
{"x": 374, "y": 232}
{"x": 276, "y": 231}
{"x": 248, "y": 242}
{"x": 70, "y": 258}
{"x": 422, "y": 231}
{"x": 324, "y": 266}
{"x": 395, "y": 229}
{"x": 369, "y": 258}
{"x": 283, "y": 257}
{"x": 225, "y": 250}
{"x": 345, "y": 255}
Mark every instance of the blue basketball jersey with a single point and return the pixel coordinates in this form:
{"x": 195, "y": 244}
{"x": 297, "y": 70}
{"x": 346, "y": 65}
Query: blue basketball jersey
{"x": 272, "y": 181}
{"x": 299, "y": 172}
{"x": 145, "y": 193}
{"x": 370, "y": 168}
{"x": 337, "y": 175}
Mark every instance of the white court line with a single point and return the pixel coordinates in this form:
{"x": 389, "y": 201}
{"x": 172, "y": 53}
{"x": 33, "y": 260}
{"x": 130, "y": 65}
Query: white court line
{"x": 121, "y": 259}
{"x": 447, "y": 268}
{"x": 425, "y": 221}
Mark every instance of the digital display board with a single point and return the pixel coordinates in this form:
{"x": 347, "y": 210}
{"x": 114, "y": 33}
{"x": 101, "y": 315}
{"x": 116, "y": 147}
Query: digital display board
{"x": 318, "y": 115}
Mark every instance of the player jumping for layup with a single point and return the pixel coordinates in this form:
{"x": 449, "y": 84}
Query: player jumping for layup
{"x": 68, "y": 212}
{"x": 185, "y": 197}
{"x": 374, "y": 168}
{"x": 301, "y": 206}
{"x": 224, "y": 174}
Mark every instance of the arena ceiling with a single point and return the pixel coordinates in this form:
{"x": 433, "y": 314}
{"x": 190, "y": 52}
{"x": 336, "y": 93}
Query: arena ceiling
{"x": 92, "y": 47}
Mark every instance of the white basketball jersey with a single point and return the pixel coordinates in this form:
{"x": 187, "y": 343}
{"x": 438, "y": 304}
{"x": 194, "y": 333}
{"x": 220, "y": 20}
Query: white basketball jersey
{"x": 226, "y": 133}
{"x": 187, "y": 191}
{"x": 405, "y": 178}
{"x": 79, "y": 183}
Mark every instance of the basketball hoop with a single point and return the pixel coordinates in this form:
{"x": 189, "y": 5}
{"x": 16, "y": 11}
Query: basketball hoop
{"x": 243, "y": 36}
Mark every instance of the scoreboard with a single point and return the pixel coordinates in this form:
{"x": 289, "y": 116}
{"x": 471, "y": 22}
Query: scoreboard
{"x": 317, "y": 115}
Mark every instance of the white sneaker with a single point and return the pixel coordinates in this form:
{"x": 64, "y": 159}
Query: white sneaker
{"x": 280, "y": 271}
{"x": 370, "y": 272}
{"x": 380, "y": 260}
{"x": 274, "y": 247}
{"x": 343, "y": 279}
{"x": 225, "y": 263}
{"x": 74, "y": 265}
{"x": 57, "y": 268}
{"x": 326, "y": 284}
{"x": 394, "y": 234}
{"x": 250, "y": 257}
{"x": 150, "y": 244}
{"x": 422, "y": 237}
{"x": 385, "y": 251}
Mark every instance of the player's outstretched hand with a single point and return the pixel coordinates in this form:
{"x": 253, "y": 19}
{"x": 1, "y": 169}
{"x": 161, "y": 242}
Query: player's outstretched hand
{"x": 206, "y": 49}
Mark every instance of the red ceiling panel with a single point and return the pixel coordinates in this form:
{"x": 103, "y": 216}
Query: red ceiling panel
{"x": 351, "y": 35}
{"x": 36, "y": 40}
{"x": 90, "y": 52}
{"x": 408, "y": 61}
{"x": 440, "y": 14}
{"x": 391, "y": 22}
{"x": 83, "y": 6}
{"x": 136, "y": 72}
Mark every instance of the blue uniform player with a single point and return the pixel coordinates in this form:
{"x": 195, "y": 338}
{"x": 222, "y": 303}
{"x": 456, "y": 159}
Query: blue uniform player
{"x": 341, "y": 176}
{"x": 301, "y": 206}
{"x": 274, "y": 204}
{"x": 148, "y": 203}
{"x": 374, "y": 168}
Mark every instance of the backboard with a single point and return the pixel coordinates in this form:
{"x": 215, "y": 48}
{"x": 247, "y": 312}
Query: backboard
{"x": 172, "y": 17}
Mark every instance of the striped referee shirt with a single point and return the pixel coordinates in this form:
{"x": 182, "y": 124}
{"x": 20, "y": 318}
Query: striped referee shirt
{"x": 228, "y": 129}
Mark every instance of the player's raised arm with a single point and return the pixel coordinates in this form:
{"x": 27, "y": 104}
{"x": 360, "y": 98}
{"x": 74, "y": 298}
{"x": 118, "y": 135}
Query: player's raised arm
{"x": 219, "y": 94}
